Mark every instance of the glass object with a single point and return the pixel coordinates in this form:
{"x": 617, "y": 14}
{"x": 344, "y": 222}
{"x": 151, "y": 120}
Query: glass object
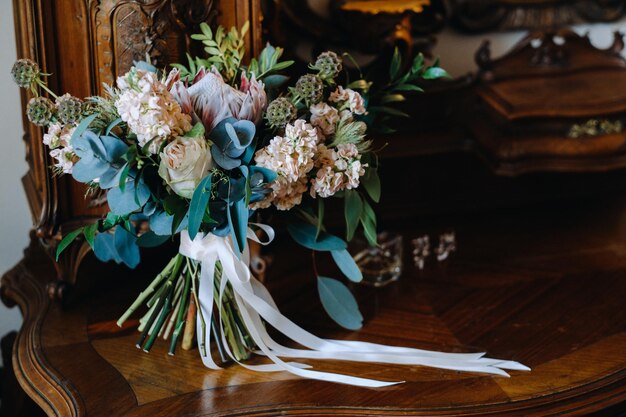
{"x": 382, "y": 264}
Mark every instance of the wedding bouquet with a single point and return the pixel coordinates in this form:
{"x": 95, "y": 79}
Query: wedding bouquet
{"x": 195, "y": 153}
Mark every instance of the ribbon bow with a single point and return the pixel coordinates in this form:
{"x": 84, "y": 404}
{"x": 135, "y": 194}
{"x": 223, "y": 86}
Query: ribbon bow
{"x": 256, "y": 304}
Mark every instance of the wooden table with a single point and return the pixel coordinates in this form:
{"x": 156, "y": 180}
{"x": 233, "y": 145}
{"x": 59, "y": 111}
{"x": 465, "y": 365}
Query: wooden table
{"x": 544, "y": 285}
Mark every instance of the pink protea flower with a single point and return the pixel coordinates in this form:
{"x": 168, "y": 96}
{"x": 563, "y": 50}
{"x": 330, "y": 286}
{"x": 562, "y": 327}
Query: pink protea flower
{"x": 255, "y": 101}
{"x": 213, "y": 100}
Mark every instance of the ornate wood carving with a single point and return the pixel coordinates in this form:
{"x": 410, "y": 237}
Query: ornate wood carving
{"x": 129, "y": 30}
{"x": 487, "y": 15}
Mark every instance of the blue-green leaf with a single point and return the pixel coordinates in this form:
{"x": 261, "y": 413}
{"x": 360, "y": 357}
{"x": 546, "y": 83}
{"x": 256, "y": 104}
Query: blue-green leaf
{"x": 151, "y": 240}
{"x": 275, "y": 81}
{"x": 112, "y": 125}
{"x": 339, "y": 303}
{"x": 268, "y": 174}
{"x": 346, "y": 263}
{"x": 126, "y": 246}
{"x": 237, "y": 213}
{"x": 132, "y": 198}
{"x": 104, "y": 248}
{"x": 82, "y": 127}
{"x": 198, "y": 205}
{"x": 304, "y": 234}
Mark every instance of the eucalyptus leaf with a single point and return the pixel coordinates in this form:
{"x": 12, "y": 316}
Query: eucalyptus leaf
{"x": 237, "y": 213}
{"x": 275, "y": 81}
{"x": 112, "y": 126}
{"x": 339, "y": 303}
{"x": 104, "y": 248}
{"x": 151, "y": 240}
{"x": 161, "y": 223}
{"x": 304, "y": 234}
{"x": 89, "y": 168}
{"x": 126, "y": 246}
{"x": 347, "y": 265}
{"x": 132, "y": 198}
{"x": 198, "y": 205}
{"x": 82, "y": 127}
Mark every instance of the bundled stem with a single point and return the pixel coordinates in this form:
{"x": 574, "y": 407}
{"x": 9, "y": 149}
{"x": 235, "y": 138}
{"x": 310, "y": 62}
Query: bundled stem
{"x": 173, "y": 305}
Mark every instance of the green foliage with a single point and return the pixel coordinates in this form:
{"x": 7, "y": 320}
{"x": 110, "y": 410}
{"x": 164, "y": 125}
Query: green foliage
{"x": 353, "y": 204}
{"x": 225, "y": 50}
{"x": 384, "y": 99}
{"x": 268, "y": 64}
{"x": 69, "y": 238}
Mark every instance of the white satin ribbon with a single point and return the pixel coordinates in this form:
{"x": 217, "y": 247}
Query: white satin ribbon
{"x": 256, "y": 304}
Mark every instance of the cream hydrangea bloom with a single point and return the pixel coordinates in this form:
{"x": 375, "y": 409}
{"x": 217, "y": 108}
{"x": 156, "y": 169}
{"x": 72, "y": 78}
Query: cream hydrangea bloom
{"x": 292, "y": 157}
{"x": 350, "y": 100}
{"x": 149, "y": 109}
{"x": 324, "y": 117}
{"x": 338, "y": 169}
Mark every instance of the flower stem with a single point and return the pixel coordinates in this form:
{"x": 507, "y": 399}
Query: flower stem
{"x": 164, "y": 312}
{"x": 145, "y": 293}
{"x": 184, "y": 305}
{"x": 43, "y": 85}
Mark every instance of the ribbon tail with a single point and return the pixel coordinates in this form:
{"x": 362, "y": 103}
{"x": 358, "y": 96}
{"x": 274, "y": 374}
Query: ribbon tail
{"x": 205, "y": 311}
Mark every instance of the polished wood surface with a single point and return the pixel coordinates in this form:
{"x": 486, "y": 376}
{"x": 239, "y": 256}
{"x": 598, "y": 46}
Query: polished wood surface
{"x": 543, "y": 285}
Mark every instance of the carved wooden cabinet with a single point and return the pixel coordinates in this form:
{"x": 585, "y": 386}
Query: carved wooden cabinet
{"x": 553, "y": 103}
{"x": 83, "y": 44}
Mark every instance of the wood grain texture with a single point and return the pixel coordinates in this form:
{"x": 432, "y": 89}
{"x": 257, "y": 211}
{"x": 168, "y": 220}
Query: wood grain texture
{"x": 541, "y": 285}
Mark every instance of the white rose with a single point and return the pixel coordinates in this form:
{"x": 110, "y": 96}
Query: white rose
{"x": 324, "y": 117}
{"x": 184, "y": 162}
